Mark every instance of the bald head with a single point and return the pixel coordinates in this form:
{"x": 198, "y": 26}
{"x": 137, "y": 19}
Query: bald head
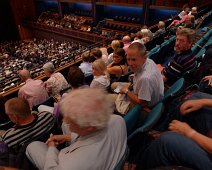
{"x": 194, "y": 10}
{"x": 24, "y": 75}
{"x": 126, "y": 39}
{"x": 161, "y": 24}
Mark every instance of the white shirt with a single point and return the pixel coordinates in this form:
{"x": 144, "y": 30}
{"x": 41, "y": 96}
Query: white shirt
{"x": 98, "y": 151}
{"x": 86, "y": 68}
{"x": 102, "y": 81}
{"x": 148, "y": 83}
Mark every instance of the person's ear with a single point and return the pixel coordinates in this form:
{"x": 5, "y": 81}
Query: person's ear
{"x": 13, "y": 118}
{"x": 91, "y": 129}
{"x": 145, "y": 57}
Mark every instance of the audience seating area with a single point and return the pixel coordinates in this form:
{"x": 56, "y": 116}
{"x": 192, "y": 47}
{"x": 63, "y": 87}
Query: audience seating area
{"x": 33, "y": 54}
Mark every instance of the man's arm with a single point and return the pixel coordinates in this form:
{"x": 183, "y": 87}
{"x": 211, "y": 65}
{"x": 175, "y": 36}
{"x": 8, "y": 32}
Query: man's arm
{"x": 21, "y": 93}
{"x": 193, "y": 105}
{"x": 184, "y": 129}
{"x": 133, "y": 97}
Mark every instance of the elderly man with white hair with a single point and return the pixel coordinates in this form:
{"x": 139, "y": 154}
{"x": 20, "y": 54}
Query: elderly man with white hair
{"x": 161, "y": 28}
{"x": 56, "y": 81}
{"x": 100, "y": 141}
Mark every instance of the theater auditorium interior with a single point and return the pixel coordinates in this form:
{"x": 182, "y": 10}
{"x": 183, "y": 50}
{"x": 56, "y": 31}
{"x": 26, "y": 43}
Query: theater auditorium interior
{"x": 105, "y": 84}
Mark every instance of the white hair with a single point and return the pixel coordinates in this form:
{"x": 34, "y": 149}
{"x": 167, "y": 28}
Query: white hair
{"x": 161, "y": 24}
{"x": 87, "y": 107}
{"x": 139, "y": 41}
{"x": 194, "y": 8}
{"x": 49, "y": 67}
{"x": 144, "y": 32}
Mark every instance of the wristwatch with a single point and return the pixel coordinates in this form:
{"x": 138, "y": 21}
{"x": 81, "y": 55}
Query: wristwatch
{"x": 126, "y": 91}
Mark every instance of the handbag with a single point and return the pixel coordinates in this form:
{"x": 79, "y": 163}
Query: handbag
{"x": 122, "y": 103}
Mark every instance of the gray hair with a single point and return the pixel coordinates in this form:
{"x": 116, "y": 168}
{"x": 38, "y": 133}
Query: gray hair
{"x": 161, "y": 24}
{"x": 87, "y": 107}
{"x": 138, "y": 47}
{"x": 49, "y": 67}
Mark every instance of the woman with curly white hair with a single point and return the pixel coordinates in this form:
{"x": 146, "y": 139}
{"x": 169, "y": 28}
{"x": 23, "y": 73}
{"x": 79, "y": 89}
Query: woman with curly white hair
{"x": 101, "y": 137}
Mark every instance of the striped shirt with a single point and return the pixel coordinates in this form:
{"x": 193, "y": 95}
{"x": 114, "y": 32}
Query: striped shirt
{"x": 18, "y": 135}
{"x": 179, "y": 65}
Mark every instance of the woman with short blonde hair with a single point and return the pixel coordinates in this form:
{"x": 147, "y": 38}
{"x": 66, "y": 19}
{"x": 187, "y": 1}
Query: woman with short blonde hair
{"x": 101, "y": 77}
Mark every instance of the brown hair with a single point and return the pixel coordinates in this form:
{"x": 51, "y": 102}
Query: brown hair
{"x": 18, "y": 106}
{"x": 189, "y": 33}
{"x": 75, "y": 77}
{"x": 121, "y": 52}
{"x": 96, "y": 52}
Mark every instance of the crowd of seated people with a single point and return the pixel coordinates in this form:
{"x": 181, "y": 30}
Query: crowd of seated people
{"x": 88, "y": 121}
{"x": 83, "y": 24}
{"x": 185, "y": 19}
{"x": 32, "y": 55}
{"x": 68, "y": 21}
{"x": 147, "y": 90}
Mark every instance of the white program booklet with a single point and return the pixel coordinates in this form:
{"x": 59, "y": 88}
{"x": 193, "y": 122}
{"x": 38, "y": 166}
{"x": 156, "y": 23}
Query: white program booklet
{"x": 120, "y": 85}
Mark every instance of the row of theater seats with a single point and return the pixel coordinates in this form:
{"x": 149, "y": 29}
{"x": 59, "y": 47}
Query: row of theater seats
{"x": 153, "y": 121}
{"x": 157, "y": 40}
{"x": 128, "y": 19}
{"x": 199, "y": 48}
{"x": 83, "y": 13}
{"x": 88, "y": 22}
{"x": 165, "y": 49}
{"x": 205, "y": 19}
{"x": 117, "y": 26}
